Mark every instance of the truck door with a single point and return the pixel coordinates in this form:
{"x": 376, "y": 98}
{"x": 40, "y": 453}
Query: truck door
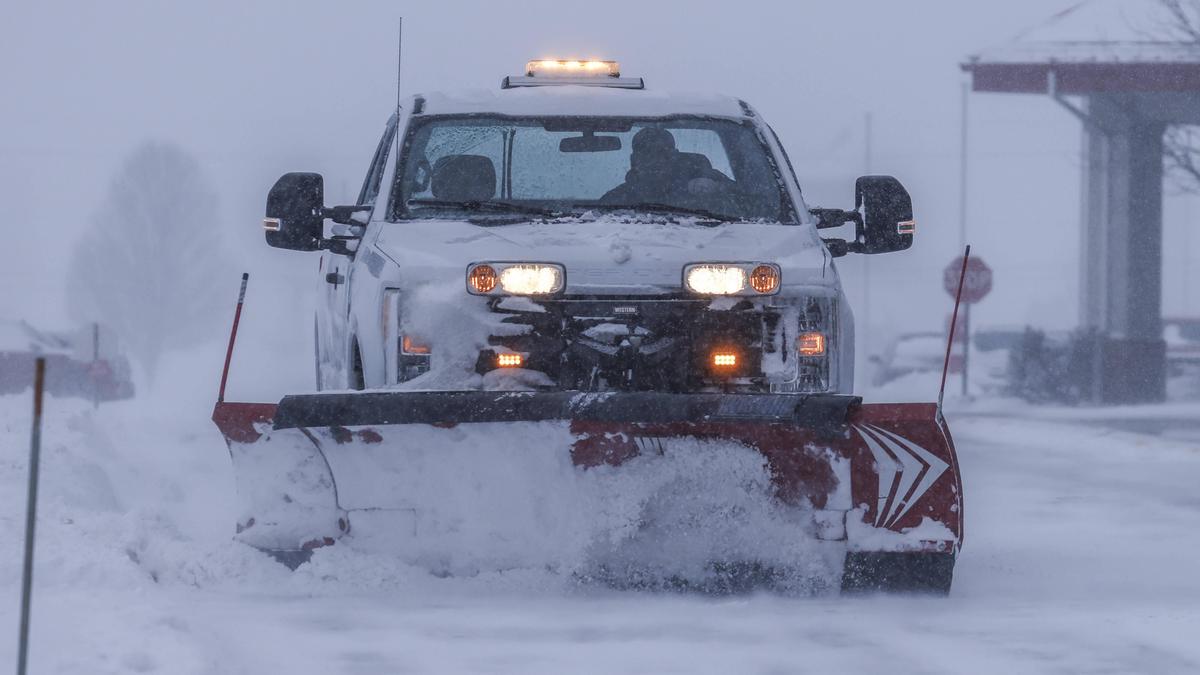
{"x": 334, "y": 324}
{"x": 332, "y": 346}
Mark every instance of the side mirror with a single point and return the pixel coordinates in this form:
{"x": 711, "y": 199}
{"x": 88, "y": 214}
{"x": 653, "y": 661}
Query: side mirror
{"x": 295, "y": 218}
{"x": 887, "y": 215}
{"x": 296, "y": 214}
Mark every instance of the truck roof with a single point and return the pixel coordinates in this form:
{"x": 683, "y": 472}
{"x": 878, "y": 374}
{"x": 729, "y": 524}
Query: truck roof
{"x": 569, "y": 99}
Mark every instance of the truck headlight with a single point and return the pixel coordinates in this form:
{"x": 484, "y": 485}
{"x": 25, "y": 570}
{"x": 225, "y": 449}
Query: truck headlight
{"x": 492, "y": 278}
{"x": 732, "y": 278}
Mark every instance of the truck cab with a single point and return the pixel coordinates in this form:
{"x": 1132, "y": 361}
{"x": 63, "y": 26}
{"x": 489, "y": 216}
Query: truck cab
{"x": 576, "y": 230}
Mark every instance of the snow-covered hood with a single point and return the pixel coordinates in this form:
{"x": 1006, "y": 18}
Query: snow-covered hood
{"x": 604, "y": 256}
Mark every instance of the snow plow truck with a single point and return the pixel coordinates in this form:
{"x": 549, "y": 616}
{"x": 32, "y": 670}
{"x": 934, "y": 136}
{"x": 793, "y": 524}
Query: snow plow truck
{"x": 585, "y": 325}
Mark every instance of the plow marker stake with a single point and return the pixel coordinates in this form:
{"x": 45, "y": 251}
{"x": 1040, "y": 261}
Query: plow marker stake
{"x": 237, "y": 316}
{"x": 35, "y": 450}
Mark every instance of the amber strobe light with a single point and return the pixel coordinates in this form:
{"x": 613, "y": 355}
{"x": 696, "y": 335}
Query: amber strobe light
{"x": 572, "y": 67}
{"x": 811, "y": 344}
{"x": 482, "y": 278}
{"x": 509, "y": 360}
{"x": 724, "y": 359}
{"x": 765, "y": 279}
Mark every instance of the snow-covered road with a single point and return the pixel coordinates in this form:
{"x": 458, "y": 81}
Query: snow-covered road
{"x": 1082, "y": 556}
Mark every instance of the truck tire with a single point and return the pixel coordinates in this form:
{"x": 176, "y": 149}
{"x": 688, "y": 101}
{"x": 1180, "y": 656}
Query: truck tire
{"x": 898, "y": 572}
{"x": 291, "y": 559}
{"x": 317, "y": 354}
{"x": 357, "y": 380}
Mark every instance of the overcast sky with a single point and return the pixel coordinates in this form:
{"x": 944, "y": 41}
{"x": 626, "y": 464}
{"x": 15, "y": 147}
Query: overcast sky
{"x": 255, "y": 89}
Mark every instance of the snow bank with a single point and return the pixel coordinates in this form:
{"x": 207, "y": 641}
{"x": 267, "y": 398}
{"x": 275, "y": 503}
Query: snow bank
{"x": 1075, "y": 561}
{"x": 117, "y": 506}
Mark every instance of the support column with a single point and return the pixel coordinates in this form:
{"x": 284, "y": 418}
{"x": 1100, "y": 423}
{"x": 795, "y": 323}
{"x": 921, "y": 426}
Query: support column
{"x": 1121, "y": 252}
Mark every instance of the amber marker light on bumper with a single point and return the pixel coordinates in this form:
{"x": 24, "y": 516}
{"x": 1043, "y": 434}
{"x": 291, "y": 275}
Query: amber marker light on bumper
{"x": 724, "y": 359}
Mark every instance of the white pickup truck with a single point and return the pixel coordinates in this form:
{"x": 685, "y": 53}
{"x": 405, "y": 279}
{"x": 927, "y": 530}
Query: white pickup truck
{"x": 577, "y": 272}
{"x": 576, "y": 230}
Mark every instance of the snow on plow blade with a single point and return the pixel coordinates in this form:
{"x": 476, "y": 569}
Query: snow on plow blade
{"x": 683, "y": 490}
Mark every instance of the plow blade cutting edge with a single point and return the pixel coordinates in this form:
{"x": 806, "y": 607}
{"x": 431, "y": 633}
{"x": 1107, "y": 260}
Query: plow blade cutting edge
{"x": 650, "y": 489}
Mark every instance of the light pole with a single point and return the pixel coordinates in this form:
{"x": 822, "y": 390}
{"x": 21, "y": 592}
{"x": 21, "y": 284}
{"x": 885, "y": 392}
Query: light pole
{"x": 867, "y": 132}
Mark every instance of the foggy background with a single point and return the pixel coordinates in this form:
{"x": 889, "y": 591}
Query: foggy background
{"x": 254, "y": 90}
{"x": 1077, "y": 517}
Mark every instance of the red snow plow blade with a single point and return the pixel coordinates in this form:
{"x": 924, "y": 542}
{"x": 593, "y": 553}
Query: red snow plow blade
{"x": 762, "y": 481}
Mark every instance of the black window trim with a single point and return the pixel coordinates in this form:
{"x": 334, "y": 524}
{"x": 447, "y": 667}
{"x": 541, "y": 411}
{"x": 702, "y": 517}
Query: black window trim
{"x": 374, "y": 179}
{"x": 787, "y": 208}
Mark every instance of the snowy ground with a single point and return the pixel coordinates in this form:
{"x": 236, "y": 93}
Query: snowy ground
{"x": 1080, "y": 556}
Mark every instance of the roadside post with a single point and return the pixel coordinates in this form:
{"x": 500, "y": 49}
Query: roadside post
{"x": 976, "y": 279}
{"x": 35, "y": 450}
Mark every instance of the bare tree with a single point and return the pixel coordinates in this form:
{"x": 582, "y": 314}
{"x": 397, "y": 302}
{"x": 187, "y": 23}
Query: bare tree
{"x": 147, "y": 265}
{"x": 1181, "y": 151}
{"x": 1180, "y": 22}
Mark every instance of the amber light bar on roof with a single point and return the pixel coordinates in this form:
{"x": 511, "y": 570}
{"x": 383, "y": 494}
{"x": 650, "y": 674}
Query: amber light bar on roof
{"x": 509, "y": 360}
{"x": 572, "y": 68}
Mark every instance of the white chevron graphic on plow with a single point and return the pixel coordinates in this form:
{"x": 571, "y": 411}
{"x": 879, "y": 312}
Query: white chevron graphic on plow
{"x": 906, "y": 472}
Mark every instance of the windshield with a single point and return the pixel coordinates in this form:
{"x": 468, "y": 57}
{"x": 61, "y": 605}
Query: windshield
{"x": 690, "y": 166}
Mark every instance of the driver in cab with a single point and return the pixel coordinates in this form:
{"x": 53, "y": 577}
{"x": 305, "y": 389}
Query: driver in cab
{"x": 660, "y": 174}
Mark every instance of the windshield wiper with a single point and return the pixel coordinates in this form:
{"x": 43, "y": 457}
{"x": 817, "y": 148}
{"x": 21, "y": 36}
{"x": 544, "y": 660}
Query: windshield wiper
{"x": 657, "y": 207}
{"x": 485, "y": 205}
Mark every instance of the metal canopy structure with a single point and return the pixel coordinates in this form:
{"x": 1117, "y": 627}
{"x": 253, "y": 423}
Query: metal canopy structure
{"x": 1104, "y": 62}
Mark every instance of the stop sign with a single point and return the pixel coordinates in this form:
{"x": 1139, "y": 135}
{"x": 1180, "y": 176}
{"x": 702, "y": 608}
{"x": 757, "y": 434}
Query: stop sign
{"x": 99, "y": 370}
{"x": 976, "y": 284}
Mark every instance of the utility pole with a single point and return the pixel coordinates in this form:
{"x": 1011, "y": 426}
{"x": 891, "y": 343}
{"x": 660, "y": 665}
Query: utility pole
{"x": 962, "y": 229}
{"x": 867, "y": 143}
{"x": 866, "y": 305}
{"x": 1187, "y": 256}
{"x": 962, "y": 164}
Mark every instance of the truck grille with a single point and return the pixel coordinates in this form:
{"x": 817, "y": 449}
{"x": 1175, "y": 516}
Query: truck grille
{"x": 660, "y": 344}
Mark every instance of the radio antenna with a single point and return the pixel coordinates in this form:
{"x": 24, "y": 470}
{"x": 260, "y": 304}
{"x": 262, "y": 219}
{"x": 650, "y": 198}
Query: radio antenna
{"x": 399, "y": 61}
